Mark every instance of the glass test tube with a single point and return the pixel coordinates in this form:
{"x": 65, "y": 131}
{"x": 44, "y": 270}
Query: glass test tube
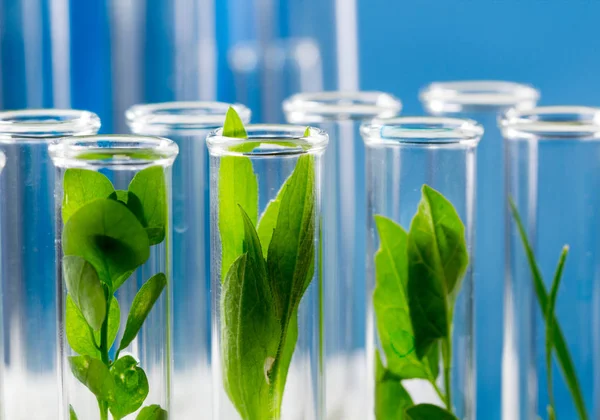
{"x": 266, "y": 292}
{"x": 344, "y": 236}
{"x": 113, "y": 209}
{"x": 407, "y": 359}
{"x": 188, "y": 124}
{"x": 484, "y": 101}
{"x": 2, "y": 163}
{"x": 552, "y": 156}
{"x": 28, "y": 289}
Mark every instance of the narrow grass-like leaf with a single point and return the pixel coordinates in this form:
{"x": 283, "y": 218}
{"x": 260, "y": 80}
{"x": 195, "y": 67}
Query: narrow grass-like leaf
{"x": 562, "y": 352}
{"x": 306, "y": 132}
{"x": 550, "y": 327}
{"x": 72, "y": 414}
{"x": 141, "y": 306}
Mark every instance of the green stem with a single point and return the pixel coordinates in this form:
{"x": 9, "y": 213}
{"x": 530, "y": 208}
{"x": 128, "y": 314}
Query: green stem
{"x": 447, "y": 356}
{"x": 438, "y": 390}
{"x": 104, "y": 352}
{"x": 103, "y": 410}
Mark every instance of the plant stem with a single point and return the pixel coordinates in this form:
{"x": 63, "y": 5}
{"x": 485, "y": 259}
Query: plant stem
{"x": 104, "y": 352}
{"x": 438, "y": 391}
{"x": 447, "y": 356}
{"x": 103, "y": 410}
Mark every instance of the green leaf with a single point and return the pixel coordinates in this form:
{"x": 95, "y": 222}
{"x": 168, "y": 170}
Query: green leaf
{"x": 152, "y": 412}
{"x": 550, "y": 327}
{"x": 131, "y": 385}
{"x": 81, "y": 186}
{"x": 433, "y": 361}
{"x": 268, "y": 221}
{"x": 82, "y": 339}
{"x": 560, "y": 345}
{"x": 390, "y": 302}
{"x": 107, "y": 235}
{"x": 250, "y": 331}
{"x": 85, "y": 289}
{"x": 292, "y": 249}
{"x": 428, "y": 412}
{"x": 141, "y": 306}
{"x": 238, "y": 186}
{"x": 437, "y": 260}
{"x": 72, "y": 415}
{"x": 391, "y": 398}
{"x": 95, "y": 375}
{"x": 306, "y": 132}
{"x": 148, "y": 201}
{"x": 120, "y": 195}
{"x": 233, "y": 125}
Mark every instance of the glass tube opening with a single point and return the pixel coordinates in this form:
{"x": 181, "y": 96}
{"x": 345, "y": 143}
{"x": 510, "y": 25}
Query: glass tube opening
{"x": 46, "y": 123}
{"x": 422, "y": 131}
{"x": 327, "y": 106}
{"x": 268, "y": 140}
{"x": 441, "y": 97}
{"x": 159, "y": 118}
{"x": 552, "y": 122}
{"x": 127, "y": 151}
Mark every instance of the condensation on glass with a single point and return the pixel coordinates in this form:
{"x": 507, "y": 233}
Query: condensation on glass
{"x": 403, "y": 155}
{"x": 344, "y": 236}
{"x": 113, "y": 216}
{"x": 28, "y": 286}
{"x": 484, "y": 101}
{"x": 188, "y": 124}
{"x": 552, "y": 156}
{"x": 265, "y": 221}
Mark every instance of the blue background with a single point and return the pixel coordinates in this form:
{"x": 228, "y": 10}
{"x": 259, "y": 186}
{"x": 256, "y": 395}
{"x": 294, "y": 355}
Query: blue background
{"x": 402, "y": 46}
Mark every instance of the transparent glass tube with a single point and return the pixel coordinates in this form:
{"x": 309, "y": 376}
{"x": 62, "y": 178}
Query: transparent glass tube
{"x": 28, "y": 292}
{"x": 113, "y": 209}
{"x": 484, "y": 101}
{"x": 552, "y": 175}
{"x": 188, "y": 124}
{"x": 407, "y": 157}
{"x": 344, "y": 236}
{"x": 266, "y": 289}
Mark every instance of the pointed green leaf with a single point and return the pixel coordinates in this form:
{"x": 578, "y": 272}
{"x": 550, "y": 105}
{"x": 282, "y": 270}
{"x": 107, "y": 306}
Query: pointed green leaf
{"x": 437, "y": 260}
{"x": 390, "y": 302}
{"x": 131, "y": 385}
{"x": 81, "y": 186}
{"x": 152, "y": 412}
{"x": 249, "y": 331}
{"x": 238, "y": 186}
{"x": 560, "y": 345}
{"x": 141, "y": 306}
{"x": 94, "y": 375}
{"x": 72, "y": 415}
{"x": 107, "y": 235}
{"x": 306, "y": 132}
{"x": 268, "y": 221}
{"x": 292, "y": 250}
{"x": 233, "y": 125}
{"x": 428, "y": 412}
{"x": 391, "y": 398}
{"x": 147, "y": 199}
{"x": 82, "y": 339}
{"x": 84, "y": 287}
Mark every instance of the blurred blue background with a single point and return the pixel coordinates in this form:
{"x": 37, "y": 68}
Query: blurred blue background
{"x": 106, "y": 55}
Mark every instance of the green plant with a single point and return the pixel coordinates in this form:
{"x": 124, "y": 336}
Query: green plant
{"x": 555, "y": 339}
{"x": 267, "y": 265}
{"x": 107, "y": 235}
{"x": 418, "y": 276}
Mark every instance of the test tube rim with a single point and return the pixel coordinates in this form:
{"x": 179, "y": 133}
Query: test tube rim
{"x": 45, "y": 124}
